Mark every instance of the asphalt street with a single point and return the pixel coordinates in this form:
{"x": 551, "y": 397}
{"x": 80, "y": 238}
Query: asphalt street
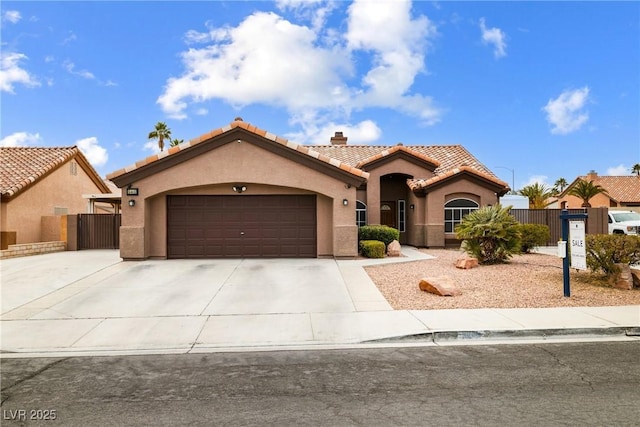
{"x": 541, "y": 384}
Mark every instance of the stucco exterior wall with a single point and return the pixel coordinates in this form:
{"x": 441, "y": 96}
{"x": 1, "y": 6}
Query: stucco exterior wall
{"x": 59, "y": 189}
{"x": 214, "y": 173}
{"x": 434, "y": 207}
{"x": 397, "y": 166}
{"x": 598, "y": 201}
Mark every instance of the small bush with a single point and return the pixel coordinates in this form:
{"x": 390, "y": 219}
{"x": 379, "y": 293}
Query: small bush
{"x": 532, "y": 235}
{"x": 490, "y": 234}
{"x": 381, "y": 233}
{"x": 372, "y": 248}
{"x": 604, "y": 251}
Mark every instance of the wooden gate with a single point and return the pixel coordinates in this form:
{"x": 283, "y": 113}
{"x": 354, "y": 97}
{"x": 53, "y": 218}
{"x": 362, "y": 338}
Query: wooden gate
{"x": 99, "y": 231}
{"x": 596, "y": 223}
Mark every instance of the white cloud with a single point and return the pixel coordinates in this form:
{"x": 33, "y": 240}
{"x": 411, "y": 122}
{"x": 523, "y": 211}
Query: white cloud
{"x": 70, "y": 38}
{"x": 201, "y": 112}
{"x": 365, "y": 132}
{"x": 20, "y": 139}
{"x": 309, "y": 69}
{"x": 496, "y": 37}
{"x": 565, "y": 113}
{"x": 71, "y": 68}
{"x": 152, "y": 146}
{"x": 537, "y": 179}
{"x": 12, "y": 16}
{"x": 11, "y": 73}
{"x": 620, "y": 170}
{"x": 92, "y": 150}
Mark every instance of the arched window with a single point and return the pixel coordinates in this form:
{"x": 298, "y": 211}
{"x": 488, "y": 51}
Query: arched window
{"x": 455, "y": 210}
{"x": 361, "y": 213}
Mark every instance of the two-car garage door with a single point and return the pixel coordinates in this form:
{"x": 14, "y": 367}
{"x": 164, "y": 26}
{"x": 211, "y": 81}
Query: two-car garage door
{"x": 241, "y": 226}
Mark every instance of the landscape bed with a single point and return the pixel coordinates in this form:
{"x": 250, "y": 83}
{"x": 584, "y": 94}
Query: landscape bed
{"x": 527, "y": 281}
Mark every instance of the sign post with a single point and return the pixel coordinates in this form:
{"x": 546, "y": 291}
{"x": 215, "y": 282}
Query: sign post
{"x": 579, "y": 246}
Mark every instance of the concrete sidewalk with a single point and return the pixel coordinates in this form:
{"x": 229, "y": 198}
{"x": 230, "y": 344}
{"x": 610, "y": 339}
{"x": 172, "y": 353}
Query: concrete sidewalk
{"x": 42, "y": 326}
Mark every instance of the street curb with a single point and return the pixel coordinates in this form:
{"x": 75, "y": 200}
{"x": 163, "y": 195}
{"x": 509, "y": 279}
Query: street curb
{"x": 450, "y": 336}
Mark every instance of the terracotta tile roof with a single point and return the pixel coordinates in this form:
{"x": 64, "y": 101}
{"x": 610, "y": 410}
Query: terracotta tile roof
{"x": 416, "y": 184}
{"x": 20, "y": 167}
{"x": 397, "y": 148}
{"x": 448, "y": 159}
{"x": 447, "y": 156}
{"x": 239, "y": 123}
{"x": 622, "y": 189}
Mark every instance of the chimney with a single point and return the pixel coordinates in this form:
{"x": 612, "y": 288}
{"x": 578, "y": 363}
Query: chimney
{"x": 592, "y": 175}
{"x": 339, "y": 139}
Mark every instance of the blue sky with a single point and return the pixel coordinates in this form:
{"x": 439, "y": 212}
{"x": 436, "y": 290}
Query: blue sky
{"x": 546, "y": 89}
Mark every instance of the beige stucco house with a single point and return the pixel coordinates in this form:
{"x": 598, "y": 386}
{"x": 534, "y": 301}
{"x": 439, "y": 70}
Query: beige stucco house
{"x": 240, "y": 191}
{"x": 38, "y": 182}
{"x": 622, "y": 192}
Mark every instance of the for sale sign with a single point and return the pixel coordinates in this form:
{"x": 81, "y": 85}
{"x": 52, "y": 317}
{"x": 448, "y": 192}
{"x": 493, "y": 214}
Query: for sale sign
{"x": 578, "y": 247}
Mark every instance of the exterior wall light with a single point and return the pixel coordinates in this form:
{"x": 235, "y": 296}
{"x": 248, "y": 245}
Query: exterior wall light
{"x": 412, "y": 207}
{"x": 132, "y": 191}
{"x": 239, "y": 188}
{"x": 132, "y": 202}
{"x": 345, "y": 202}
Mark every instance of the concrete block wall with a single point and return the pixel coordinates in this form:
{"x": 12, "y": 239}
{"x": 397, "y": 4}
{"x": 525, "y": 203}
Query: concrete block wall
{"x": 26, "y": 249}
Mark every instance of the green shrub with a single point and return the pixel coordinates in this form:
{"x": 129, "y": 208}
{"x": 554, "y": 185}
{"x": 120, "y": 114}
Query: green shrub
{"x": 604, "y": 251}
{"x": 381, "y": 233}
{"x": 532, "y": 235}
{"x": 490, "y": 234}
{"x": 372, "y": 248}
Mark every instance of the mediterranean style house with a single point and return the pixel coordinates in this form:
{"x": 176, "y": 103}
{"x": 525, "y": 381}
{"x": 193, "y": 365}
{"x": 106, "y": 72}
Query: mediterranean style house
{"x": 622, "y": 192}
{"x": 38, "y": 182}
{"x": 240, "y": 191}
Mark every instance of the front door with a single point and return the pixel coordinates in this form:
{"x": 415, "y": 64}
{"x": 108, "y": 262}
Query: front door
{"x": 388, "y": 214}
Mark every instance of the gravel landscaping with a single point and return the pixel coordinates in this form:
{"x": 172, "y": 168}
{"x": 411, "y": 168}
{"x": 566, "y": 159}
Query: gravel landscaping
{"x": 530, "y": 280}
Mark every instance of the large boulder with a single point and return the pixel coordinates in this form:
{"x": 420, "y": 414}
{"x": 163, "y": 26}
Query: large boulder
{"x": 635, "y": 273}
{"x": 394, "y": 248}
{"x": 624, "y": 279}
{"x": 466, "y": 263}
{"x": 442, "y": 286}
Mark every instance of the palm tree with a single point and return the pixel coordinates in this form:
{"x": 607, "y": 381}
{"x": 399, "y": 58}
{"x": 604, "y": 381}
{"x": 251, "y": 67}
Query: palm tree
{"x": 175, "y": 142}
{"x": 636, "y": 169}
{"x": 160, "y": 132}
{"x": 560, "y": 184}
{"x": 586, "y": 190}
{"x": 537, "y": 194}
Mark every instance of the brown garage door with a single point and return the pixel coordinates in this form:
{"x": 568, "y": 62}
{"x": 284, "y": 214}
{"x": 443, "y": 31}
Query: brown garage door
{"x": 241, "y": 226}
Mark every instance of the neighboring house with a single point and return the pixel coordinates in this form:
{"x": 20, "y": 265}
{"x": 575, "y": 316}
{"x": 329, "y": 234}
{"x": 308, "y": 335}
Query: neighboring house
{"x": 39, "y": 182}
{"x": 623, "y": 192}
{"x": 240, "y": 191}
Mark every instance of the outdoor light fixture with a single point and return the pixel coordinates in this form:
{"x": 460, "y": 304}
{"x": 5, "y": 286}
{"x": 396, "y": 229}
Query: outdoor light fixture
{"x": 345, "y": 202}
{"x": 239, "y": 188}
{"x": 132, "y": 202}
{"x": 412, "y": 207}
{"x": 131, "y": 191}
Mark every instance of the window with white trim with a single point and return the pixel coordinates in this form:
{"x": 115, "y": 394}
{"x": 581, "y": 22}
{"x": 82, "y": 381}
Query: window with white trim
{"x": 361, "y": 213}
{"x": 455, "y": 210}
{"x": 402, "y": 216}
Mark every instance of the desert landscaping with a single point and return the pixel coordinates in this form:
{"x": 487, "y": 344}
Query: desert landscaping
{"x": 526, "y": 281}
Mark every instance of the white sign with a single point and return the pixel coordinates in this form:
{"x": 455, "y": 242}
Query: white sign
{"x": 578, "y": 247}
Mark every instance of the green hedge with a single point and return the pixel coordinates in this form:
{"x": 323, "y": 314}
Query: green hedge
{"x": 372, "y": 248}
{"x": 381, "y": 233}
{"x": 532, "y": 235}
{"x": 604, "y": 251}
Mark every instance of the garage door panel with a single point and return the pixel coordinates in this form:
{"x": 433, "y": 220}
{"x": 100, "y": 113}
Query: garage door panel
{"x": 241, "y": 226}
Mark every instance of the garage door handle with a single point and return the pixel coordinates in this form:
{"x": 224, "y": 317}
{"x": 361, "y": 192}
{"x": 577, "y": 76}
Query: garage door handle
{"x": 242, "y": 233}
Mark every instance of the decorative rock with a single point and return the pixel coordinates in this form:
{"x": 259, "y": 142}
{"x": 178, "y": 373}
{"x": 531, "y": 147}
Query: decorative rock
{"x": 393, "y": 249}
{"x": 442, "y": 286}
{"x": 623, "y": 280}
{"x": 635, "y": 273}
{"x": 466, "y": 263}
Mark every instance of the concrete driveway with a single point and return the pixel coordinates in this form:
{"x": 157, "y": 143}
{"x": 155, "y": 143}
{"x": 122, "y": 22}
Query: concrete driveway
{"x": 96, "y": 284}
